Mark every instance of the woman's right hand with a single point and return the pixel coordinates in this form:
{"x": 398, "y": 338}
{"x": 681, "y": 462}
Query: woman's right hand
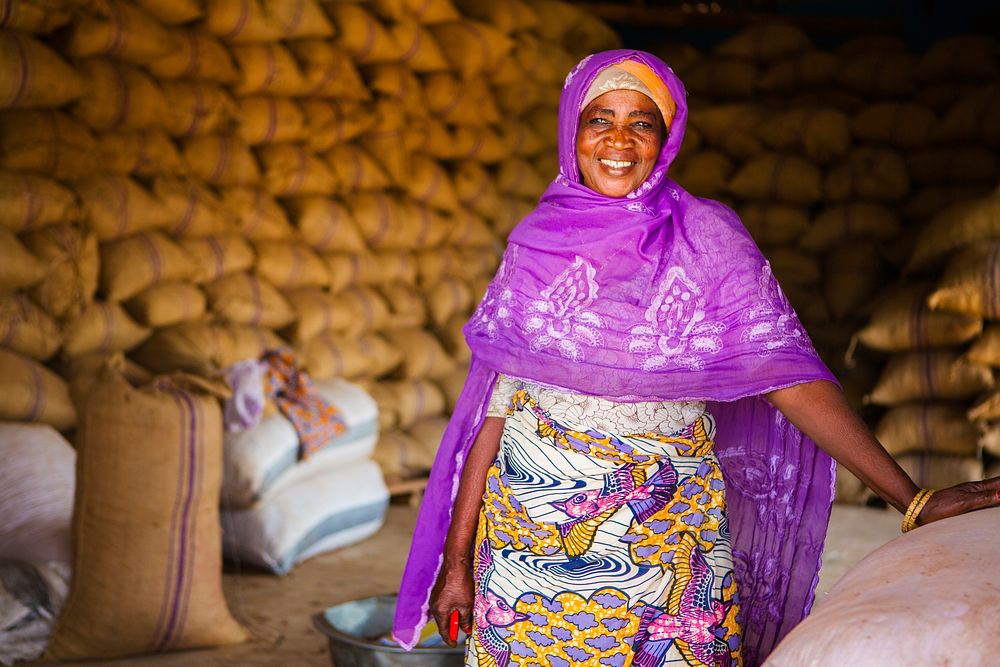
{"x": 454, "y": 590}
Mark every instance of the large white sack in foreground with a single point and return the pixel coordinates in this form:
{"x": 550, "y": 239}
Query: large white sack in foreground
{"x": 929, "y": 597}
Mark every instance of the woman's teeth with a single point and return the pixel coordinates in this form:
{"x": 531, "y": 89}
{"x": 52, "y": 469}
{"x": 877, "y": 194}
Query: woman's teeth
{"x": 616, "y": 164}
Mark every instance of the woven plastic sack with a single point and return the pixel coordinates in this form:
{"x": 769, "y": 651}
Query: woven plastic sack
{"x": 765, "y": 42}
{"x": 117, "y": 29}
{"x": 19, "y": 268}
{"x": 985, "y": 349}
{"x": 131, "y": 265}
{"x": 774, "y": 177}
{"x": 73, "y": 263}
{"x": 852, "y": 277}
{"x": 332, "y": 122}
{"x": 50, "y": 142}
{"x": 896, "y": 124}
{"x": 328, "y": 71}
{"x": 196, "y": 55}
{"x": 173, "y": 12}
{"x": 967, "y": 164}
{"x": 216, "y": 256}
{"x": 902, "y": 321}
{"x": 259, "y": 215}
{"x": 355, "y": 169}
{"x": 472, "y": 47}
{"x": 196, "y": 108}
{"x": 267, "y": 68}
{"x": 27, "y": 329}
{"x": 362, "y": 35}
{"x": 29, "y": 392}
{"x": 417, "y": 47}
{"x": 774, "y": 224}
{"x": 731, "y": 127}
{"x": 146, "y": 153}
{"x": 118, "y": 96}
{"x": 855, "y": 220}
{"x": 821, "y": 135}
{"x": 102, "y": 328}
{"x": 268, "y": 120}
{"x": 32, "y": 201}
{"x": 35, "y": 16}
{"x": 349, "y": 356}
{"x": 723, "y": 78}
{"x": 290, "y": 265}
{"x": 967, "y": 57}
{"x": 807, "y": 69}
{"x": 928, "y": 428}
{"x": 406, "y": 306}
{"x": 969, "y": 119}
{"x": 247, "y": 299}
{"x": 706, "y": 173}
{"x": 221, "y": 160}
{"x": 248, "y": 21}
{"x": 968, "y": 285}
{"x": 930, "y": 375}
{"x": 290, "y": 169}
{"x": 962, "y": 223}
{"x": 167, "y": 303}
{"x": 34, "y": 76}
{"x": 326, "y": 224}
{"x": 203, "y": 348}
{"x": 316, "y": 311}
{"x": 868, "y": 173}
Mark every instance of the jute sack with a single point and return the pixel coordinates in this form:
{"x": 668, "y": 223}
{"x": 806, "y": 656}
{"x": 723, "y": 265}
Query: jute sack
{"x": 328, "y": 71}
{"x": 196, "y": 55}
{"x": 509, "y": 15}
{"x": 986, "y": 409}
{"x": 344, "y": 269}
{"x": 129, "y": 570}
{"x": 290, "y": 169}
{"x": 968, "y": 285}
{"x": 940, "y": 96}
{"x": 221, "y": 160}
{"x": 896, "y": 124}
{"x": 379, "y": 218}
{"x": 35, "y": 76}
{"x": 117, "y": 96}
{"x": 931, "y": 200}
{"x": 422, "y": 354}
{"x": 510, "y": 212}
{"x": 932, "y": 471}
{"x": 476, "y": 188}
{"x": 967, "y": 164}
{"x": 989, "y": 441}
{"x": 477, "y": 262}
{"x": 850, "y": 489}
{"x": 166, "y": 304}
{"x": 50, "y": 142}
{"x": 868, "y": 173}
{"x": 427, "y": 433}
{"x": 447, "y": 298}
{"x": 316, "y": 311}
{"x": 381, "y": 268}
{"x": 929, "y": 375}
{"x": 414, "y": 400}
{"x": 967, "y": 57}
{"x": 194, "y": 210}
{"x": 248, "y": 21}
{"x": 131, "y": 265}
{"x": 19, "y": 268}
{"x": 927, "y": 428}
{"x": 115, "y": 206}
{"x": 723, "y": 78}
{"x": 472, "y": 47}
{"x": 774, "y": 224}
{"x": 807, "y": 69}
{"x": 195, "y": 108}
{"x": 432, "y": 137}
{"x": 290, "y": 265}
{"x": 117, "y": 29}
{"x": 706, "y": 173}
{"x": 36, "y": 16}
{"x": 367, "y": 309}
{"x": 203, "y": 348}
{"x": 820, "y": 135}
{"x": 32, "y": 201}
{"x": 548, "y": 62}
{"x": 361, "y": 34}
{"x": 349, "y": 356}
{"x": 430, "y": 184}
{"x": 766, "y": 42}
{"x": 452, "y": 384}
{"x": 141, "y": 152}
{"x": 545, "y": 120}
{"x": 969, "y": 119}
{"x": 406, "y": 306}
{"x": 73, "y": 263}
{"x": 854, "y": 220}
{"x": 774, "y": 177}
{"x": 260, "y": 216}
{"x": 792, "y": 266}
{"x": 828, "y": 98}
{"x": 29, "y": 392}
{"x": 397, "y": 81}
{"x": 27, "y": 329}
{"x": 267, "y": 68}
{"x": 332, "y": 122}
{"x": 248, "y": 299}
{"x": 466, "y": 229}
{"x": 460, "y": 102}
{"x": 173, "y": 12}
{"x": 453, "y": 336}
{"x": 435, "y": 265}
{"x": 393, "y": 454}
{"x": 354, "y": 169}
{"x": 519, "y": 96}
{"x": 985, "y": 349}
{"x": 217, "y": 256}
{"x": 902, "y": 321}
{"x": 960, "y": 224}
{"x": 102, "y": 328}
{"x": 267, "y": 120}
{"x": 432, "y": 11}
{"x": 417, "y": 47}
{"x": 326, "y": 224}
{"x": 880, "y": 75}
{"x": 523, "y": 141}
{"x": 852, "y": 277}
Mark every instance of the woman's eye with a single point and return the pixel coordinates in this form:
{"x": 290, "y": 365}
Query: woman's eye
{"x": 598, "y": 121}
{"x": 643, "y": 125}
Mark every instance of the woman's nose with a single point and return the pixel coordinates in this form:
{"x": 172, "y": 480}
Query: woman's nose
{"x": 619, "y": 136}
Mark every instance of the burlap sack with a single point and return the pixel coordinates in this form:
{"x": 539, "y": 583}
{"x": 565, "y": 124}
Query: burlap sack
{"x": 774, "y": 224}
{"x": 387, "y": 140}
{"x": 32, "y": 201}
{"x": 167, "y": 303}
{"x": 509, "y": 16}
{"x": 868, "y": 173}
{"x": 519, "y": 96}
{"x": 706, "y": 173}
{"x": 968, "y": 285}
{"x": 216, "y": 256}
{"x": 929, "y": 375}
{"x": 460, "y": 102}
{"x": 928, "y": 428}
{"x": 430, "y": 184}
{"x": 137, "y": 586}
{"x": 203, "y": 348}
{"x": 355, "y": 169}
{"x": 472, "y": 47}
{"x": 382, "y": 268}
{"x": 940, "y": 96}
{"x": 476, "y": 188}
{"x": 367, "y": 309}
{"x": 987, "y": 408}
{"x": 416, "y": 400}
{"x": 248, "y": 299}
{"x": 969, "y": 119}
{"x": 102, "y": 328}
{"x": 361, "y": 34}
{"x": 196, "y": 55}
{"x": 432, "y": 11}
{"x": 435, "y": 265}
{"x": 290, "y": 265}
{"x": 406, "y": 306}
{"x": 852, "y": 276}
{"x": 328, "y": 71}
{"x": 117, "y": 96}
{"x": 723, "y": 78}
{"x": 131, "y": 265}
{"x": 417, "y": 47}
{"x": 117, "y": 29}
{"x": 394, "y": 452}
{"x": 548, "y": 62}
{"x": 73, "y": 263}
{"x": 267, "y": 68}
{"x": 774, "y": 177}
{"x": 985, "y": 349}
{"x": 27, "y": 329}
{"x": 544, "y": 120}
{"x": 517, "y": 177}
{"x": 452, "y": 384}
{"x": 141, "y": 152}
{"x": 967, "y": 57}
{"x": 379, "y": 219}
{"x": 173, "y": 12}
{"x": 879, "y": 75}
{"x": 850, "y": 489}
{"x": 221, "y": 160}
{"x": 510, "y": 212}
{"x": 316, "y": 311}
{"x": 902, "y": 321}
{"x": 194, "y": 210}
{"x": 803, "y": 70}
{"x": 19, "y": 268}
{"x": 29, "y": 392}
{"x": 448, "y": 298}
{"x": 820, "y": 135}
{"x": 967, "y": 164}
{"x": 466, "y": 229}
{"x": 937, "y": 472}
{"x": 50, "y": 142}
{"x": 36, "y": 16}
{"x": 989, "y": 440}
{"x": 855, "y": 220}
{"x": 260, "y": 216}
{"x": 896, "y": 124}
{"x": 422, "y": 354}
{"x": 765, "y": 42}
{"x": 249, "y": 21}
{"x": 928, "y": 201}
{"x": 344, "y": 269}
{"x": 115, "y": 206}
{"x": 808, "y": 302}
{"x": 290, "y": 169}
{"x": 195, "y": 108}
{"x": 267, "y": 120}
{"x": 326, "y": 224}
{"x": 427, "y": 433}
{"x": 349, "y": 356}
{"x": 453, "y": 337}
{"x": 959, "y": 224}
{"x": 397, "y": 81}
{"x": 35, "y": 76}
{"x": 332, "y": 122}
{"x": 792, "y": 266}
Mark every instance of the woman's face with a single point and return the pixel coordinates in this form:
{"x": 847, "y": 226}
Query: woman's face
{"x": 618, "y": 141}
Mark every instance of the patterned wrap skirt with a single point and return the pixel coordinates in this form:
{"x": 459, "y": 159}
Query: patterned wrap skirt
{"x": 602, "y": 549}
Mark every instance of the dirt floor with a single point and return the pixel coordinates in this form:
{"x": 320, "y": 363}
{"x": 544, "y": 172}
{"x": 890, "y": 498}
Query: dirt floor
{"x": 278, "y": 610}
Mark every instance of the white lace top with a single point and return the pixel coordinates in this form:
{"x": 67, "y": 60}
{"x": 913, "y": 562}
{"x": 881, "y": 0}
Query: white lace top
{"x": 582, "y": 412}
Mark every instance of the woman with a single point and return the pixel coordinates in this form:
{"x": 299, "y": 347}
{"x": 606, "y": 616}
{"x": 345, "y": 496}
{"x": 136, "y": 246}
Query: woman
{"x": 626, "y": 479}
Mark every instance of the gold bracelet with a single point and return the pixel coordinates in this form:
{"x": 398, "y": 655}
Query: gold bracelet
{"x": 913, "y": 511}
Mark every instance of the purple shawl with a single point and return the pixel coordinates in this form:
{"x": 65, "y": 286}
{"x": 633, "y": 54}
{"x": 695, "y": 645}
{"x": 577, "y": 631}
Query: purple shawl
{"x": 658, "y": 295}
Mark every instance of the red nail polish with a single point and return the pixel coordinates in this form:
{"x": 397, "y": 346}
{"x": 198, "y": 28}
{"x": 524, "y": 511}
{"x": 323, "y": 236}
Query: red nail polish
{"x": 453, "y": 626}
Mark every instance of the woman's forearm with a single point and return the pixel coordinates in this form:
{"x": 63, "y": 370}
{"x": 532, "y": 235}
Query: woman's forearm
{"x": 465, "y": 514}
{"x": 821, "y": 411}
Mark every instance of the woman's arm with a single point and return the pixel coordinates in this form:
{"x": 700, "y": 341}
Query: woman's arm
{"x": 454, "y": 587}
{"x": 820, "y": 410}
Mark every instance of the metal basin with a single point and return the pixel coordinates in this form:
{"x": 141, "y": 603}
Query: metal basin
{"x": 354, "y": 628}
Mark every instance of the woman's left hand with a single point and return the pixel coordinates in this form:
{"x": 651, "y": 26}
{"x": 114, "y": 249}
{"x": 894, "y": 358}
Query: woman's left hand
{"x": 959, "y": 499}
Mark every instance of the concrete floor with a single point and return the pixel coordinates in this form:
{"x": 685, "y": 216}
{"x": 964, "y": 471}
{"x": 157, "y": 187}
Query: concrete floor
{"x": 278, "y": 610}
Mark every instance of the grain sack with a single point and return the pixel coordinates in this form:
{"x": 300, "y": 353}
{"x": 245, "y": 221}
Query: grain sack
{"x": 940, "y": 96}
{"x": 792, "y": 266}
{"x": 432, "y": 11}
{"x": 393, "y": 454}
{"x": 249, "y": 21}
{"x": 855, "y": 220}
{"x": 989, "y": 440}
{"x": 328, "y": 71}
{"x": 518, "y": 177}
{"x": 51, "y": 142}
{"x": 248, "y": 299}
{"x": 398, "y": 82}
{"x": 173, "y": 12}
{"x": 380, "y": 268}
{"x": 508, "y": 15}
{"x": 380, "y": 220}
{"x": 332, "y": 355}
{"x": 850, "y": 489}
{"x": 466, "y": 229}
{"x": 477, "y": 262}
{"x": 406, "y": 306}
{"x": 931, "y": 471}
{"x": 430, "y": 184}
{"x": 827, "y": 98}
{"x": 141, "y": 152}
{"x": 902, "y": 321}
{"x": 386, "y": 141}
{"x": 986, "y": 409}
{"x": 964, "y": 57}
{"x": 344, "y": 269}
{"x": 415, "y": 400}
{"x": 774, "y": 224}
{"x": 511, "y": 212}
{"x": 821, "y": 135}
{"x": 931, "y": 200}
{"x": 852, "y": 276}
{"x": 472, "y": 47}
{"x": 476, "y": 188}
{"x": 19, "y": 268}
{"x": 216, "y": 256}
{"x": 27, "y": 329}
{"x": 417, "y": 47}
{"x": 808, "y": 303}
{"x": 83, "y": 373}
{"x": 968, "y": 164}
{"x": 316, "y": 311}
{"x": 117, "y": 96}
{"x": 876, "y": 43}
{"x": 126, "y": 564}
{"x": 196, "y": 55}
{"x": 366, "y": 308}
{"x": 332, "y": 122}
{"x": 131, "y": 265}
{"x": 290, "y": 169}
{"x": 267, "y": 68}
{"x": 960, "y": 224}
{"x": 722, "y": 78}
{"x": 985, "y": 349}
{"x": 166, "y": 304}
{"x": 361, "y": 34}
{"x": 36, "y": 500}
{"x": 453, "y": 336}
{"x": 355, "y": 169}
{"x": 259, "y": 215}
{"x": 452, "y": 385}
{"x": 422, "y": 354}
{"x": 706, "y": 173}
{"x": 29, "y": 392}
{"x": 896, "y": 124}
{"x": 868, "y": 173}
{"x": 970, "y": 118}
{"x": 32, "y": 201}
{"x": 34, "y": 76}
{"x": 928, "y": 429}
{"x": 221, "y": 160}
{"x": 807, "y": 69}
{"x": 435, "y": 265}
{"x": 73, "y": 263}
{"x": 929, "y": 375}
{"x": 765, "y": 42}
{"x": 290, "y": 265}
{"x": 266, "y": 120}
{"x": 785, "y": 178}
{"x": 518, "y": 97}
{"x": 326, "y": 224}
{"x": 118, "y": 29}
{"x": 195, "y": 108}
{"x": 35, "y": 16}
{"x": 194, "y": 210}
{"x": 447, "y": 298}
{"x": 460, "y": 102}
{"x": 548, "y": 62}
{"x": 115, "y": 206}
{"x": 968, "y": 285}
{"x": 427, "y": 433}
{"x": 879, "y": 75}
{"x": 102, "y": 328}
{"x": 203, "y": 348}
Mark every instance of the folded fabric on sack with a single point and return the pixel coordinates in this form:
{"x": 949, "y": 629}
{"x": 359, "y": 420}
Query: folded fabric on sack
{"x": 268, "y": 454}
{"x": 326, "y": 510}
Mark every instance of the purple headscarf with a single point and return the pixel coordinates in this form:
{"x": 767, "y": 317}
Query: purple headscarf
{"x": 656, "y": 296}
